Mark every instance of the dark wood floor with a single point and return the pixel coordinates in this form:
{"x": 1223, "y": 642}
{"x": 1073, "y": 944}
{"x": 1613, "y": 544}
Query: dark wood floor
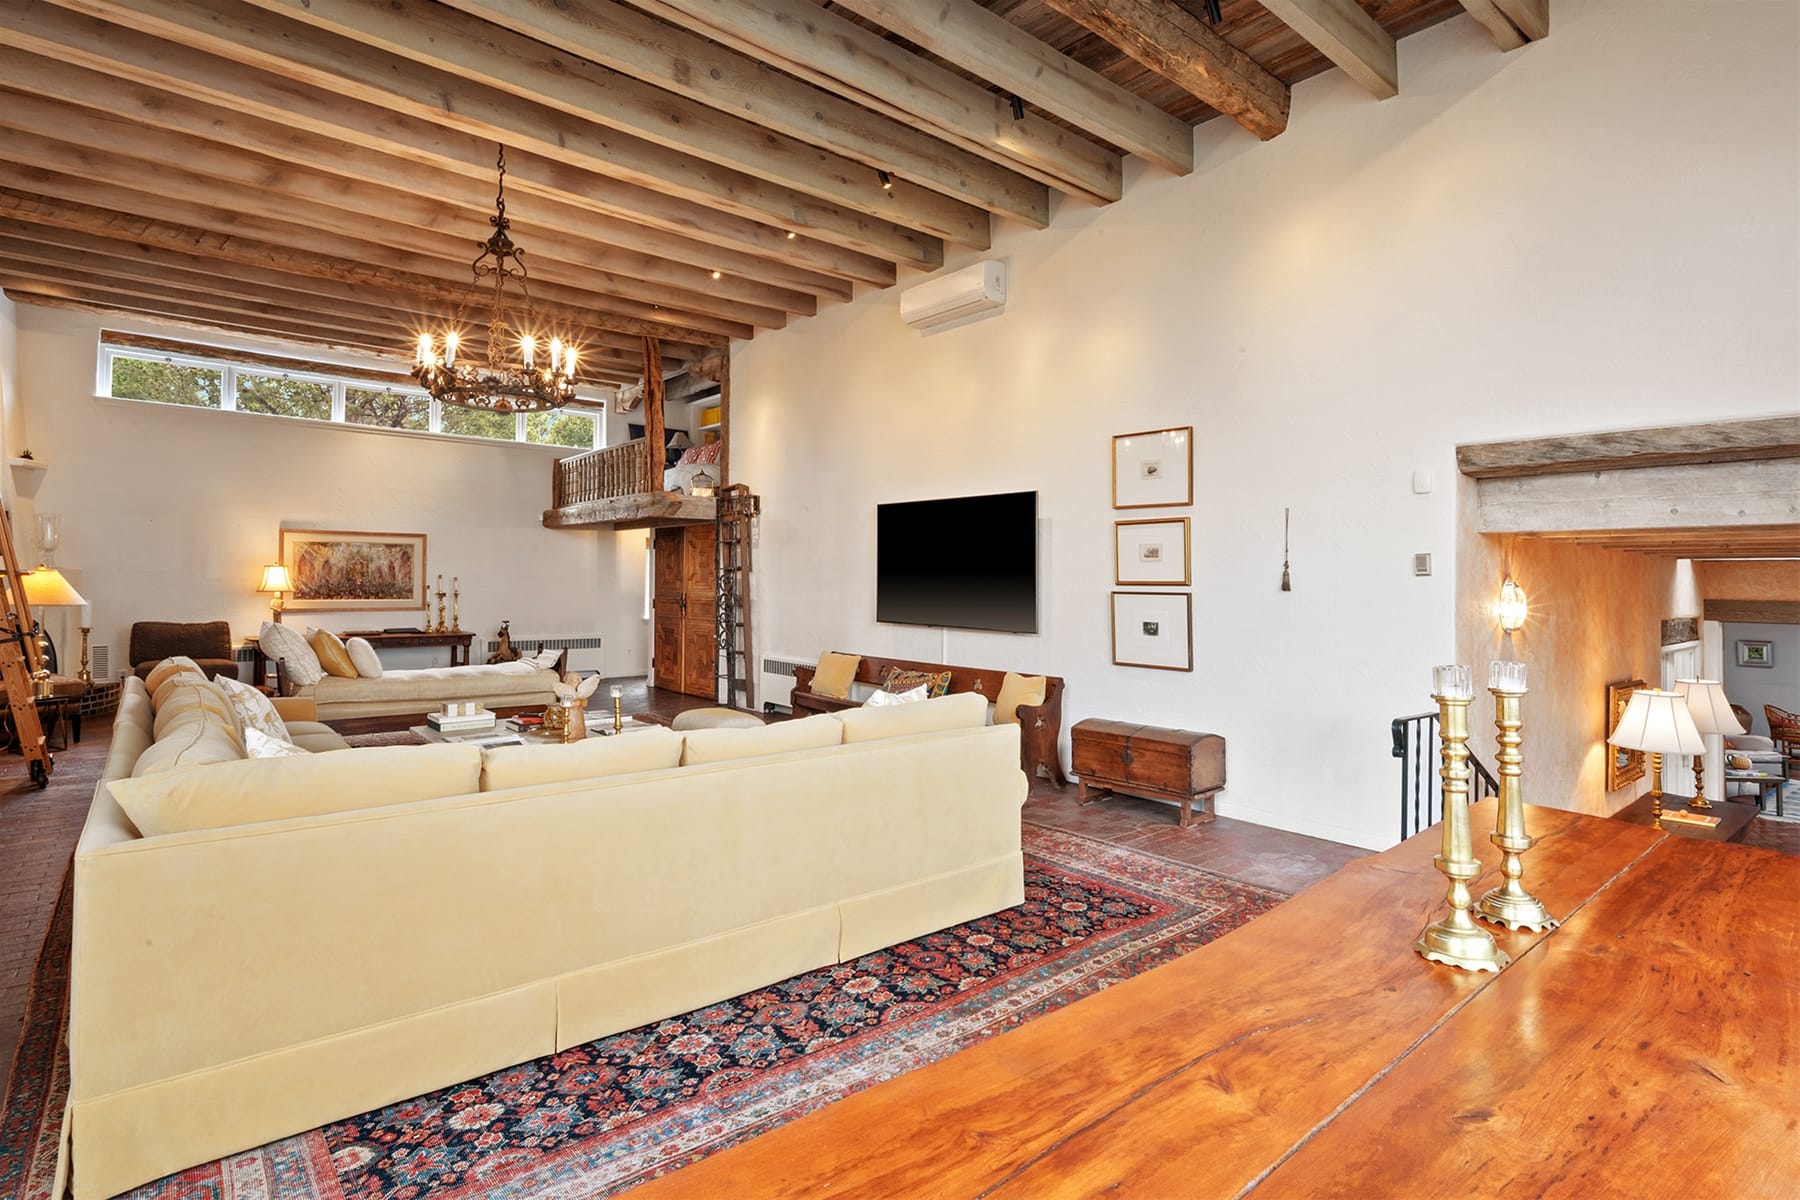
{"x": 38, "y": 830}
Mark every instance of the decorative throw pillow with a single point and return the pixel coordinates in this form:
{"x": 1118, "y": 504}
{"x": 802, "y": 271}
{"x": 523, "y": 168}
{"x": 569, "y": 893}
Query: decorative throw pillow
{"x": 258, "y": 744}
{"x": 254, "y": 712}
{"x": 363, "y": 658}
{"x": 545, "y": 658}
{"x": 290, "y": 646}
{"x": 888, "y": 699}
{"x": 168, "y": 668}
{"x": 1014, "y": 691}
{"x": 835, "y": 675}
{"x": 332, "y": 654}
{"x": 899, "y": 680}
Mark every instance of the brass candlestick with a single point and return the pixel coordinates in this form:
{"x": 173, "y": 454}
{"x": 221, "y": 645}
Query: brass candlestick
{"x": 618, "y": 695}
{"x": 1700, "y": 800}
{"x": 440, "y": 627}
{"x": 1656, "y": 792}
{"x": 84, "y": 674}
{"x": 1456, "y": 940}
{"x": 455, "y": 611}
{"x": 1510, "y": 904}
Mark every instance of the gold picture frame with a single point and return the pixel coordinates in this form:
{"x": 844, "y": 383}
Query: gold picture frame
{"x": 1152, "y": 552}
{"x": 1622, "y": 766}
{"x": 1153, "y": 629}
{"x": 342, "y": 570}
{"x": 1154, "y": 468}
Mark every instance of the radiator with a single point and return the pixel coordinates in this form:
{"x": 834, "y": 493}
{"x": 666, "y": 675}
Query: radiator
{"x": 777, "y": 682}
{"x": 586, "y": 654}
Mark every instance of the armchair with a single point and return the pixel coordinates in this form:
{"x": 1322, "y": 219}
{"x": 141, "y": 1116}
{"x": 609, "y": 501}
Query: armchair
{"x": 208, "y": 643}
{"x": 1784, "y": 731}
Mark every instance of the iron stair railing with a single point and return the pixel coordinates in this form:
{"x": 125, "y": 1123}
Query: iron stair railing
{"x": 1421, "y": 788}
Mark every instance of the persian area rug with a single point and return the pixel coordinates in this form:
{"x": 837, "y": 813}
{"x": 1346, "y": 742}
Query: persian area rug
{"x": 393, "y": 737}
{"x": 599, "y": 1118}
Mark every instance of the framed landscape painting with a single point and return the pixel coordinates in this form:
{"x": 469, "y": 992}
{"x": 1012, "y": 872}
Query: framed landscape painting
{"x": 1755, "y": 654}
{"x": 1622, "y": 766}
{"x": 338, "y": 569}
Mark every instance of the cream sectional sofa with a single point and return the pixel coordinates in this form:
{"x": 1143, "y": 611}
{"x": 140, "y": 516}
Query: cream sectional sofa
{"x": 289, "y": 949}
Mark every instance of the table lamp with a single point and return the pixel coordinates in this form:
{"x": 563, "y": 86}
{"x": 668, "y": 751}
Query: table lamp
{"x": 46, "y": 587}
{"x": 1711, "y": 711}
{"x": 1658, "y": 722}
{"x": 275, "y": 578}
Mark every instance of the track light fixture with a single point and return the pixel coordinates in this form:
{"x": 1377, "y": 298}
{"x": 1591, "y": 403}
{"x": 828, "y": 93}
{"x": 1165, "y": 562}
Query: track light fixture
{"x": 1018, "y": 107}
{"x": 1213, "y": 15}
{"x": 887, "y": 181}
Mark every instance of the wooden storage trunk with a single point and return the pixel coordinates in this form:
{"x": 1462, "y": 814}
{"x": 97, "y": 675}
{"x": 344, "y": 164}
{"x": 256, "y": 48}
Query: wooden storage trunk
{"x": 1178, "y": 765}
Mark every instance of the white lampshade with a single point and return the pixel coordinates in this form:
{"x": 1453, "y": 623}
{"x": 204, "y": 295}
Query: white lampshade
{"x": 47, "y": 588}
{"x": 1657, "y": 721}
{"x": 1708, "y": 706}
{"x": 275, "y": 578}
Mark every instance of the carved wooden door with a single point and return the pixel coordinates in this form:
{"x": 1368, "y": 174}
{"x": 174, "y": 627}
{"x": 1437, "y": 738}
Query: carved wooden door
{"x": 684, "y": 639}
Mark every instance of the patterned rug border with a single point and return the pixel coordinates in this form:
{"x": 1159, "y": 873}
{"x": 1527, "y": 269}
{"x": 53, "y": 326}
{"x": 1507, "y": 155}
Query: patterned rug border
{"x": 656, "y": 1142}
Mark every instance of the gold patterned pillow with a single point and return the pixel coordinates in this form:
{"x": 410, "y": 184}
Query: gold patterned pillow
{"x": 898, "y": 681}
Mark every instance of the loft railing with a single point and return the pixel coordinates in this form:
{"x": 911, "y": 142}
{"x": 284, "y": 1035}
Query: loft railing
{"x": 601, "y": 474}
{"x": 1421, "y": 788}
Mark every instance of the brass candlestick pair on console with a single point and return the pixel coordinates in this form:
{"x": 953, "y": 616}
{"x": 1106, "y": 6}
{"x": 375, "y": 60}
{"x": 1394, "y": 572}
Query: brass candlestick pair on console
{"x": 1456, "y": 939}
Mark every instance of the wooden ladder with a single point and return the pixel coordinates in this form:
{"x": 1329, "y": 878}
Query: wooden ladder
{"x": 737, "y": 508}
{"x": 19, "y": 659}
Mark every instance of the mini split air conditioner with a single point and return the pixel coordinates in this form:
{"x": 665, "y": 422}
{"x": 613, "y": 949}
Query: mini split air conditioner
{"x": 956, "y": 298}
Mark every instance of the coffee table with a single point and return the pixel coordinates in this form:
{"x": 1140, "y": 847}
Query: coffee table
{"x": 1766, "y": 784}
{"x": 503, "y": 734}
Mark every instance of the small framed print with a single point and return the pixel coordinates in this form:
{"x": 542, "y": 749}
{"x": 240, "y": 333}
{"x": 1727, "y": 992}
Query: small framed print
{"x": 1153, "y": 629}
{"x": 1154, "y": 469}
{"x": 1152, "y": 552}
{"x": 1755, "y": 654}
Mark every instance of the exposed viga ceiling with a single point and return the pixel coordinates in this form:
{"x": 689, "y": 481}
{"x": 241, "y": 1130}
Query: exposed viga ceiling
{"x": 321, "y": 170}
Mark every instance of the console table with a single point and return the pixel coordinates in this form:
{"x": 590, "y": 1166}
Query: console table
{"x": 1647, "y": 1047}
{"x": 456, "y": 640}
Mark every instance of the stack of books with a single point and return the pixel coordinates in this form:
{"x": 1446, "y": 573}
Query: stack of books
{"x": 466, "y": 722}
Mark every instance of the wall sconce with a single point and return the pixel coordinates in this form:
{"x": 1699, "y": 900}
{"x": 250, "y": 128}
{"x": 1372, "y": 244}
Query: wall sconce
{"x": 1510, "y": 608}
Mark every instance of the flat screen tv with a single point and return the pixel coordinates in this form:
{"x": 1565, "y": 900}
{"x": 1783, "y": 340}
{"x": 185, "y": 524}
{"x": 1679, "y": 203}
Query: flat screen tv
{"x": 965, "y": 563}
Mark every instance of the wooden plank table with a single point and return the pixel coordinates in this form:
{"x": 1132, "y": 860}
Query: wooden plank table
{"x": 1266, "y": 1055}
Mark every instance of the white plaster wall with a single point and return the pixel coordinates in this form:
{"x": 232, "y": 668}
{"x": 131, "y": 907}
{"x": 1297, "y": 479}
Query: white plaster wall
{"x": 169, "y": 513}
{"x": 1593, "y": 232}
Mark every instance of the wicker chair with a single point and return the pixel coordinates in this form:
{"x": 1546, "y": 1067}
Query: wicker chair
{"x": 1784, "y": 731}
{"x": 208, "y": 643}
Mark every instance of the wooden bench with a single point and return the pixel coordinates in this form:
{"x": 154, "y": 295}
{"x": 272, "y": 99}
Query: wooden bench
{"x": 1040, "y": 725}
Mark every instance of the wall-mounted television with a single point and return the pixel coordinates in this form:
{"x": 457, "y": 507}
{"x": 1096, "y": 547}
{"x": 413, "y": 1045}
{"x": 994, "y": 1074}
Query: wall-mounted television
{"x": 969, "y": 562}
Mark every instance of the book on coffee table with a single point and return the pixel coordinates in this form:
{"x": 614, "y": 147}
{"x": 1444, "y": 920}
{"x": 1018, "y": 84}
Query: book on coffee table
{"x": 473, "y": 723}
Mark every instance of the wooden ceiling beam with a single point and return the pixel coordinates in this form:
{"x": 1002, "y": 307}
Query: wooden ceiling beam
{"x": 1178, "y": 46}
{"x": 838, "y": 55}
{"x": 613, "y": 40}
{"x": 1506, "y": 35}
{"x": 965, "y": 33}
{"x": 578, "y": 200}
{"x": 121, "y": 262}
{"x": 364, "y": 114}
{"x": 1530, "y": 17}
{"x": 85, "y": 143}
{"x": 240, "y": 211}
{"x": 36, "y": 78}
{"x": 1344, "y": 32}
{"x": 235, "y": 247}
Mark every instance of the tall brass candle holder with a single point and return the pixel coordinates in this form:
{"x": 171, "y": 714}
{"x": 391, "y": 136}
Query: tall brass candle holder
{"x": 618, "y": 699}
{"x": 455, "y": 607}
{"x": 1456, "y": 940}
{"x": 1510, "y": 904}
{"x": 87, "y": 676}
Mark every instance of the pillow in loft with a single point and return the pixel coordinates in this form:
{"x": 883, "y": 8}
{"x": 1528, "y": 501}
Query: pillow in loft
{"x": 898, "y": 680}
{"x": 363, "y": 657}
{"x": 298, "y": 661}
{"x": 889, "y": 699}
{"x": 333, "y": 655}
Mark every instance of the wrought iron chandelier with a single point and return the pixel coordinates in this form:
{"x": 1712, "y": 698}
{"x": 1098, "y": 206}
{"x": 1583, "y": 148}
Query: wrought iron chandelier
{"x": 497, "y": 383}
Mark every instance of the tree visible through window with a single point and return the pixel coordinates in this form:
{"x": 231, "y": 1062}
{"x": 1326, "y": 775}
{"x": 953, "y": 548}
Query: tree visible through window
{"x": 388, "y": 408}
{"x": 560, "y": 427}
{"x": 477, "y": 422}
{"x": 284, "y": 397}
{"x": 168, "y": 383}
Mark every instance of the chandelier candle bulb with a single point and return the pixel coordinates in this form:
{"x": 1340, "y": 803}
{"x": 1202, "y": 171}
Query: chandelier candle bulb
{"x": 450, "y": 348}
{"x": 1456, "y": 940}
{"x": 528, "y": 347}
{"x": 1510, "y": 904}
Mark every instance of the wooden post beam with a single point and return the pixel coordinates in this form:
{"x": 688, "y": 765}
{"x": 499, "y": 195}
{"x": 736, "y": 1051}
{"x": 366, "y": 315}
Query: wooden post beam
{"x": 1344, "y": 32}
